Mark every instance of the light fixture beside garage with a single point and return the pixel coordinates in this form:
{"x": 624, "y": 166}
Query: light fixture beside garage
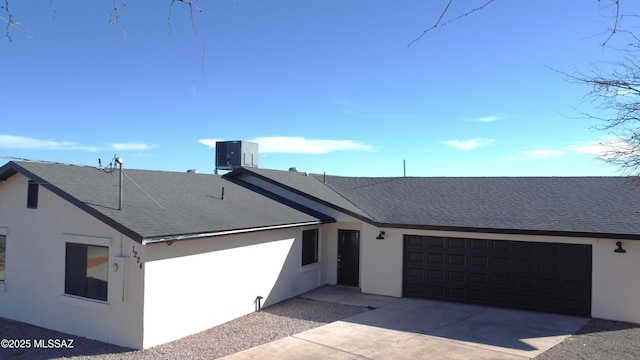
{"x": 620, "y": 249}
{"x": 380, "y": 236}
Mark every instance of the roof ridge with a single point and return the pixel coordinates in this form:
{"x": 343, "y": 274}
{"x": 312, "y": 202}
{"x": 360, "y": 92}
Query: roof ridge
{"x": 347, "y": 199}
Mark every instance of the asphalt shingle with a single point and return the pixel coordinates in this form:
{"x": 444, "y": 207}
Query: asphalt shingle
{"x": 159, "y": 204}
{"x": 582, "y": 206}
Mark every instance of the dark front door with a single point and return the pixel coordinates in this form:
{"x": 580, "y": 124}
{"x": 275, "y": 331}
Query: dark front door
{"x": 348, "y": 257}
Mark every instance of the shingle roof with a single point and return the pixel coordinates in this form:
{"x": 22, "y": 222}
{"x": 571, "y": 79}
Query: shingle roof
{"x": 578, "y": 206}
{"x": 305, "y": 184}
{"x": 160, "y": 204}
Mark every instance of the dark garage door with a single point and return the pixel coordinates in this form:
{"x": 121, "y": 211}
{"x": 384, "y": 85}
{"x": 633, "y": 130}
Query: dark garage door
{"x": 549, "y": 277}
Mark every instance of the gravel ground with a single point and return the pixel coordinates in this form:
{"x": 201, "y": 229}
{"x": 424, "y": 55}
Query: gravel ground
{"x": 274, "y": 322}
{"x": 599, "y": 339}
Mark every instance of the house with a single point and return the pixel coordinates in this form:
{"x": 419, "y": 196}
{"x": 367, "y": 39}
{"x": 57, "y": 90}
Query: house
{"x": 178, "y": 253}
{"x": 186, "y": 251}
{"x": 555, "y": 244}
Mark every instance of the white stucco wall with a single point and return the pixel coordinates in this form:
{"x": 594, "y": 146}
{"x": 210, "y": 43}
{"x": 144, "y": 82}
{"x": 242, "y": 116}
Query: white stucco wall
{"x": 33, "y": 291}
{"x": 381, "y": 262}
{"x": 616, "y": 281}
{"x": 193, "y": 285}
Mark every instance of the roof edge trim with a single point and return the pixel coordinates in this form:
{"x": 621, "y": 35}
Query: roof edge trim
{"x": 513, "y": 231}
{"x": 172, "y": 238}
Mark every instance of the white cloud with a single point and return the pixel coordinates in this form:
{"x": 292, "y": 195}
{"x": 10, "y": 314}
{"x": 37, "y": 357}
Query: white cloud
{"x": 131, "y": 146}
{"x": 298, "y": 145}
{"x": 208, "y": 142}
{"x": 604, "y": 149}
{"x": 541, "y": 154}
{"x": 484, "y": 119}
{"x": 469, "y": 144}
{"x": 21, "y": 142}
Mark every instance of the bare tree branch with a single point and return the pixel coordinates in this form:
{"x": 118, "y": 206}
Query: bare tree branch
{"x": 192, "y": 8}
{"x": 615, "y": 92}
{"x": 616, "y": 19}
{"x": 8, "y": 19}
{"x": 442, "y": 14}
{"x": 54, "y": 9}
{"x": 115, "y": 16}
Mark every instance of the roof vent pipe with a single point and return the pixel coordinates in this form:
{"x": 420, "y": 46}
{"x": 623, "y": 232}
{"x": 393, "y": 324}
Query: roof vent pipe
{"x": 120, "y": 162}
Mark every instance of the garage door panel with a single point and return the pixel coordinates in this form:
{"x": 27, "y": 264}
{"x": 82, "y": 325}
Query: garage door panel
{"x": 417, "y": 256}
{"x": 435, "y": 292}
{"x": 454, "y": 259}
{"x": 456, "y": 277}
{"x": 525, "y": 282}
{"x": 501, "y": 280}
{"x": 524, "y": 302}
{"x": 479, "y": 261}
{"x": 479, "y": 279}
{"x": 527, "y": 275}
{"x": 455, "y": 243}
{"x": 416, "y": 273}
{"x": 456, "y": 294}
{"x": 549, "y": 284}
{"x": 479, "y": 296}
{"x": 500, "y": 262}
{"x": 434, "y": 242}
{"x": 500, "y": 298}
{"x": 479, "y": 244}
{"x": 497, "y": 246}
{"x": 435, "y": 258}
{"x": 526, "y": 265}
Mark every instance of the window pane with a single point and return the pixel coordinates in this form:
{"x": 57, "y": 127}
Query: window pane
{"x": 3, "y": 255}
{"x": 309, "y": 246}
{"x": 97, "y": 272}
{"x": 86, "y": 272}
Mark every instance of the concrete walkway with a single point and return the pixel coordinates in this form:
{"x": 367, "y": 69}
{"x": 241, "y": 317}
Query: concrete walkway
{"x": 403, "y": 328}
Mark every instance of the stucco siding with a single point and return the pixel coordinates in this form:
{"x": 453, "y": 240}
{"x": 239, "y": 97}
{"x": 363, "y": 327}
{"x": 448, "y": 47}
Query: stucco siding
{"x": 193, "y": 285}
{"x": 381, "y": 262}
{"x": 616, "y": 284}
{"x": 34, "y": 287}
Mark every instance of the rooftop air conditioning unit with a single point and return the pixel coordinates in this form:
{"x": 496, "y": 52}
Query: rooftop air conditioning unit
{"x": 235, "y": 154}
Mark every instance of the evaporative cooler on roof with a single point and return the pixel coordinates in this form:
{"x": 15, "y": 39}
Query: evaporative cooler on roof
{"x": 234, "y": 154}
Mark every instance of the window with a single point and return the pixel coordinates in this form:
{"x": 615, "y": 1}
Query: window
{"x": 3, "y": 255}
{"x": 309, "y": 247}
{"x": 32, "y": 195}
{"x": 86, "y": 271}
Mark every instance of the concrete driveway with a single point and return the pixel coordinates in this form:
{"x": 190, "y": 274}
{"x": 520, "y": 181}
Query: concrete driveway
{"x": 403, "y": 328}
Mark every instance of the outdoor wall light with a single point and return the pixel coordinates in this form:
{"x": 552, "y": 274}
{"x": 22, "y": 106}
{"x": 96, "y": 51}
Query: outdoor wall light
{"x": 620, "y": 249}
{"x": 380, "y": 236}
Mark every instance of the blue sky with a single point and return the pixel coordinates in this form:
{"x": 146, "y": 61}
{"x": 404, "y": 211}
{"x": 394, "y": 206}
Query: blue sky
{"x": 325, "y": 86}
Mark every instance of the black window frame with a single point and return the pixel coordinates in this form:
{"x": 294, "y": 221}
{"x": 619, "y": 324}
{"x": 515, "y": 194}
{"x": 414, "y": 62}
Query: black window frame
{"x": 3, "y": 257}
{"x": 310, "y": 245}
{"x": 77, "y": 281}
{"x": 32, "y": 195}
